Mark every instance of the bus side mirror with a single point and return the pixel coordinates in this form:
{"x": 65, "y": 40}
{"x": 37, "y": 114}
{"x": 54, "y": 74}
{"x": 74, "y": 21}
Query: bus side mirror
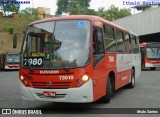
{"x": 24, "y": 32}
{"x": 15, "y": 40}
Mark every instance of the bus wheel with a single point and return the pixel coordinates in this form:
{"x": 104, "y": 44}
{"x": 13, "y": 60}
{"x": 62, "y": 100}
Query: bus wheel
{"x": 132, "y": 83}
{"x": 106, "y": 98}
{"x": 152, "y": 68}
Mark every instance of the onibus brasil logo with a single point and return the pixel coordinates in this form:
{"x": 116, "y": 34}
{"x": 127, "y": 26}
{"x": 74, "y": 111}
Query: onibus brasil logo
{"x": 15, "y": 2}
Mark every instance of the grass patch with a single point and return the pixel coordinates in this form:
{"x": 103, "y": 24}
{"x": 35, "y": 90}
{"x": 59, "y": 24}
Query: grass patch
{"x": 18, "y": 24}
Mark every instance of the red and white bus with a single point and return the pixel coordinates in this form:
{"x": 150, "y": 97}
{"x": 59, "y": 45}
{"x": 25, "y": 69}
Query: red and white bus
{"x": 9, "y": 60}
{"x": 77, "y": 59}
{"x": 150, "y": 55}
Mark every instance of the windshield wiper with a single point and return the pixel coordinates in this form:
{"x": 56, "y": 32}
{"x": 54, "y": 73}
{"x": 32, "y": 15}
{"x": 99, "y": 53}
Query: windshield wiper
{"x": 62, "y": 62}
{"x": 29, "y": 65}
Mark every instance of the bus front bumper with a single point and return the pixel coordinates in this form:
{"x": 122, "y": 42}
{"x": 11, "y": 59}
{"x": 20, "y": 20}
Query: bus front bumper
{"x": 11, "y": 67}
{"x": 81, "y": 94}
{"x": 152, "y": 65}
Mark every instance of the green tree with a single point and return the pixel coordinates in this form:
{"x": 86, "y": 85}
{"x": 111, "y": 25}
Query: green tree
{"x": 29, "y": 11}
{"x": 62, "y": 6}
{"x": 29, "y": 15}
{"x": 101, "y": 12}
{"x": 124, "y": 12}
{"x": 79, "y": 11}
{"x": 113, "y": 13}
{"x": 68, "y": 6}
{"x": 8, "y": 6}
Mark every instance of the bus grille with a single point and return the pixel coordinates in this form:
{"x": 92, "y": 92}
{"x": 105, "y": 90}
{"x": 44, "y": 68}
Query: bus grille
{"x": 55, "y": 85}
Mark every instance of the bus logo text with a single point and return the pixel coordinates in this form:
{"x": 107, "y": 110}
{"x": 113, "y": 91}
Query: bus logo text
{"x": 49, "y": 72}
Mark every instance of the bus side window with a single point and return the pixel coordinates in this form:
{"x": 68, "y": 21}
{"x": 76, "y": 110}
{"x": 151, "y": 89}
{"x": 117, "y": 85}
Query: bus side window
{"x": 110, "y": 43}
{"x": 120, "y": 41}
{"x": 135, "y": 44}
{"x": 127, "y": 41}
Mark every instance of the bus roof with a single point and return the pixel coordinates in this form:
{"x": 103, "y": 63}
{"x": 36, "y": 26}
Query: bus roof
{"x": 11, "y": 53}
{"x": 87, "y": 17}
{"x": 144, "y": 44}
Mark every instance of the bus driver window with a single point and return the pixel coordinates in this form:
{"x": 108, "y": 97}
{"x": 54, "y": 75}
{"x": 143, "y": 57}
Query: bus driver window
{"x": 98, "y": 46}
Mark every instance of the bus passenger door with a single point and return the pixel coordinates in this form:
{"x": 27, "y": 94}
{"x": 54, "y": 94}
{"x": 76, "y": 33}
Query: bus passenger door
{"x": 99, "y": 64}
{"x": 136, "y": 59}
{"x": 142, "y": 49}
{"x": 127, "y": 59}
{"x": 121, "y": 59}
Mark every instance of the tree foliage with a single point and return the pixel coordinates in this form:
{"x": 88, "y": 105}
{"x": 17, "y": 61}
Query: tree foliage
{"x": 29, "y": 11}
{"x": 79, "y": 11}
{"x": 29, "y": 15}
{"x": 113, "y": 13}
{"x": 81, "y": 7}
{"x": 68, "y": 6}
{"x": 9, "y": 6}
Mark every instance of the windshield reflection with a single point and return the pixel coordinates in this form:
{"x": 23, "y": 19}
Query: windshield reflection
{"x": 12, "y": 58}
{"x": 58, "y": 44}
{"x": 153, "y": 53}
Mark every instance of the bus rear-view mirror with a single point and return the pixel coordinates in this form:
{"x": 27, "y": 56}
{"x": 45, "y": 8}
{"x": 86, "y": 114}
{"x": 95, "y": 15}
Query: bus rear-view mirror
{"x": 15, "y": 40}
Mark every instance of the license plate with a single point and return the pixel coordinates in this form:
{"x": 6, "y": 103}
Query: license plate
{"x": 156, "y": 65}
{"x": 49, "y": 94}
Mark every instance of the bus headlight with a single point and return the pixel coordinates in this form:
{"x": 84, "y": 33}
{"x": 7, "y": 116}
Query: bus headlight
{"x": 82, "y": 80}
{"x": 21, "y": 77}
{"x": 85, "y": 78}
{"x": 25, "y": 82}
{"x": 25, "y": 79}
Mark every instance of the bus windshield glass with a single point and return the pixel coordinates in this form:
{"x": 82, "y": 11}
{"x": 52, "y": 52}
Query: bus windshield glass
{"x": 57, "y": 45}
{"x": 12, "y": 58}
{"x": 153, "y": 53}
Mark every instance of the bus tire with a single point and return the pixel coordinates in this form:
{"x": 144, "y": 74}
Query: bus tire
{"x": 132, "y": 83}
{"x": 153, "y": 68}
{"x": 106, "y": 98}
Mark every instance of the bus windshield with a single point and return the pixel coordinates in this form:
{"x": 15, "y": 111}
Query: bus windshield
{"x": 153, "y": 53}
{"x": 57, "y": 44}
{"x": 12, "y": 58}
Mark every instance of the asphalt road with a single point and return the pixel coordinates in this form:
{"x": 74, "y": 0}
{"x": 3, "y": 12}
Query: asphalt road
{"x": 146, "y": 94}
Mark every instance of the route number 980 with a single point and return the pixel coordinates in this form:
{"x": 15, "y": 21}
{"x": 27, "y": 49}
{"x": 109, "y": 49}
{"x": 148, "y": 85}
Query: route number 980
{"x": 33, "y": 61}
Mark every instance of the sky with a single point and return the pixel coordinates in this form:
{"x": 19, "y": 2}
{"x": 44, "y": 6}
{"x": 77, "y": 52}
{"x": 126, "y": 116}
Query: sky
{"x": 95, "y": 4}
